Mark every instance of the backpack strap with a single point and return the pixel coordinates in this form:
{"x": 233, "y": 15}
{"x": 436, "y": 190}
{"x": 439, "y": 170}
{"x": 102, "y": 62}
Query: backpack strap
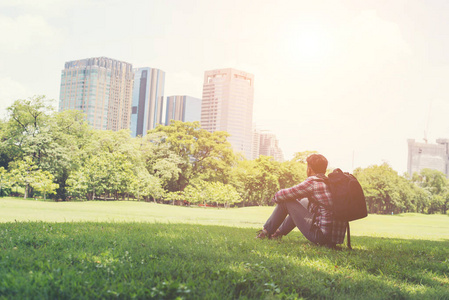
{"x": 348, "y": 235}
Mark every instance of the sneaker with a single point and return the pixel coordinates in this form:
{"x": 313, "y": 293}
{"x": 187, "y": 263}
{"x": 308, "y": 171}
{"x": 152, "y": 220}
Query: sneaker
{"x": 262, "y": 234}
{"x": 277, "y": 235}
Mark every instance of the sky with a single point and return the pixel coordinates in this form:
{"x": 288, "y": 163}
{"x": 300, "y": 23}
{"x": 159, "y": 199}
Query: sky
{"x": 350, "y": 79}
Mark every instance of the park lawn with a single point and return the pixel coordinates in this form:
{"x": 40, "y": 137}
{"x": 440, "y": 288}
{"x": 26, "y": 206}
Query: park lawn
{"x": 17, "y": 209}
{"x": 127, "y": 250}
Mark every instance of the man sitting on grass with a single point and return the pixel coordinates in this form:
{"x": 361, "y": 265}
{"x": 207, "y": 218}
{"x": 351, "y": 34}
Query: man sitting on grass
{"x": 306, "y": 206}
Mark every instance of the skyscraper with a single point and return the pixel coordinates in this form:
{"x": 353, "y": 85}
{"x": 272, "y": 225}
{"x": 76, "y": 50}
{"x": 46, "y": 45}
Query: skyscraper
{"x": 428, "y": 156}
{"x": 183, "y": 108}
{"x": 148, "y": 100}
{"x": 255, "y": 143}
{"x": 269, "y": 146}
{"x": 101, "y": 88}
{"x": 228, "y": 106}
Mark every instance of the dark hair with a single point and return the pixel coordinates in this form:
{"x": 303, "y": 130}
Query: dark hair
{"x": 317, "y": 162}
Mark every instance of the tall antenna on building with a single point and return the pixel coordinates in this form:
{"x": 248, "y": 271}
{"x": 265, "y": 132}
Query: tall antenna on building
{"x": 428, "y": 120}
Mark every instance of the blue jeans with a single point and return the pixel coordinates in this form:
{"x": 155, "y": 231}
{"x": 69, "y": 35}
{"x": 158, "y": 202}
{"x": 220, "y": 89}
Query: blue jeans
{"x": 290, "y": 214}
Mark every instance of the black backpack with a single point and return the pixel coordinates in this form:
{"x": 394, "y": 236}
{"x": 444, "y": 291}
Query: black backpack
{"x": 348, "y": 198}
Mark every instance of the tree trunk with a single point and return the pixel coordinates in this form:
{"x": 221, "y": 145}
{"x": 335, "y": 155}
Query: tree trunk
{"x": 25, "y": 194}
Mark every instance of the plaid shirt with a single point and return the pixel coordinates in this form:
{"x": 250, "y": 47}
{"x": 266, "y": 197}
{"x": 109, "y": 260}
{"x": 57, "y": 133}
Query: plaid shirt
{"x": 316, "y": 190}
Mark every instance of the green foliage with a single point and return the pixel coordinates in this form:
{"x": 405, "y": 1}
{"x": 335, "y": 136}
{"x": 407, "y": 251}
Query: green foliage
{"x": 302, "y": 156}
{"x": 258, "y": 180}
{"x": 72, "y": 138}
{"x": 43, "y": 183}
{"x": 386, "y": 191}
{"x": 291, "y": 173}
{"x": 25, "y": 129}
{"x": 5, "y": 183}
{"x": 160, "y": 160}
{"x": 51, "y": 152}
{"x": 25, "y": 173}
{"x": 52, "y": 140}
{"x": 200, "y": 191}
{"x": 146, "y": 185}
{"x": 436, "y": 185}
{"x": 207, "y": 156}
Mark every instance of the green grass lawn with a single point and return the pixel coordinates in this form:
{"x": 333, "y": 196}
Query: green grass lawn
{"x": 125, "y": 250}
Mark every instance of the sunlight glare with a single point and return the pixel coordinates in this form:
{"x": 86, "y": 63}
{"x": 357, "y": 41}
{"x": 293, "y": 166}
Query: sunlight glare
{"x": 309, "y": 44}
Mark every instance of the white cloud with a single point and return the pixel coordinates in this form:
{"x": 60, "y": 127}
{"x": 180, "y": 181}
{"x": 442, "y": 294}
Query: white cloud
{"x": 10, "y": 91}
{"x": 52, "y": 8}
{"x": 21, "y": 34}
{"x": 183, "y": 83}
{"x": 368, "y": 45}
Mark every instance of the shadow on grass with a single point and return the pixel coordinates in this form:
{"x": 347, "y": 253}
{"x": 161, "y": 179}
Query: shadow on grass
{"x": 142, "y": 260}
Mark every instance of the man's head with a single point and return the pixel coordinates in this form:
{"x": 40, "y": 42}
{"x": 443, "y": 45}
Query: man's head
{"x": 317, "y": 163}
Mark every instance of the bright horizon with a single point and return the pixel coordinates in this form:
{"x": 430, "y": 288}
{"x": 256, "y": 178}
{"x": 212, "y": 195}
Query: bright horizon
{"x": 350, "y": 80}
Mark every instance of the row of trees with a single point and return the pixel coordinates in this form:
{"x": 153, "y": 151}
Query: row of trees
{"x": 59, "y": 154}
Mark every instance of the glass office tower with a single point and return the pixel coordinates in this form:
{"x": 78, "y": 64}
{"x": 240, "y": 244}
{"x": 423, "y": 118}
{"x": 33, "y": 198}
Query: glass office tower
{"x": 101, "y": 88}
{"x": 183, "y": 108}
{"x": 148, "y": 99}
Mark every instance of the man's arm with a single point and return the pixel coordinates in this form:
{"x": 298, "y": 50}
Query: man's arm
{"x": 302, "y": 190}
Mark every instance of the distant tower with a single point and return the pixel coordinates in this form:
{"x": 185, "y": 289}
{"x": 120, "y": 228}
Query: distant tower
{"x": 269, "y": 146}
{"x": 101, "y": 88}
{"x": 255, "y": 143}
{"x": 147, "y": 101}
{"x": 183, "y": 108}
{"x": 228, "y": 106}
{"x": 428, "y": 156}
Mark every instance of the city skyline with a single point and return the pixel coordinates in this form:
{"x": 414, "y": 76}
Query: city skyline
{"x": 114, "y": 96}
{"x": 352, "y": 80}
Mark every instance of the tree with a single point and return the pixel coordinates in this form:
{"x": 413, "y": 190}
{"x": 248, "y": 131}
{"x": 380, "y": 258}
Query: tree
{"x": 160, "y": 160}
{"x": 386, "y": 191}
{"x": 204, "y": 155}
{"x": 43, "y": 182}
{"x": 198, "y": 191}
{"x": 26, "y": 174}
{"x": 72, "y": 139}
{"x": 53, "y": 140}
{"x": 146, "y": 185}
{"x": 93, "y": 176}
{"x": 78, "y": 184}
{"x": 437, "y": 185}
{"x": 257, "y": 181}
{"x": 224, "y": 194}
{"x": 27, "y": 120}
{"x": 5, "y": 183}
{"x": 302, "y": 156}
{"x": 291, "y": 173}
